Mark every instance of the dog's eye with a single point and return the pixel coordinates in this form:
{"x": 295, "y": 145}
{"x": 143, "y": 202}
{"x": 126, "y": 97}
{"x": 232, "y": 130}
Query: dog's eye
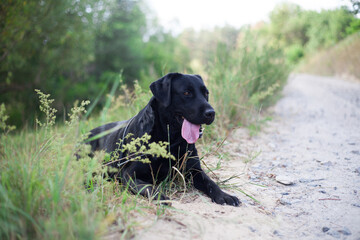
{"x": 186, "y": 93}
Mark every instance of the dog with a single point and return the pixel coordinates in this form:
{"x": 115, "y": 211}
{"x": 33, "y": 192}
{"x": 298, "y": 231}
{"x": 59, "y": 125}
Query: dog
{"x": 178, "y": 107}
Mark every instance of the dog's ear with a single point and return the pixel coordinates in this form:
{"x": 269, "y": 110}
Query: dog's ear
{"x": 198, "y": 76}
{"x": 161, "y": 88}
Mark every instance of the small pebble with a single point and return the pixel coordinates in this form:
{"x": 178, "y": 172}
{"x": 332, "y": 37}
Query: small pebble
{"x": 333, "y": 233}
{"x": 345, "y": 231}
{"x": 327, "y": 164}
{"x": 276, "y": 232}
{"x": 285, "y": 202}
{"x": 252, "y": 229}
{"x": 284, "y": 180}
{"x": 315, "y": 185}
{"x": 325, "y": 229}
{"x": 295, "y": 201}
{"x": 356, "y": 152}
{"x": 356, "y": 205}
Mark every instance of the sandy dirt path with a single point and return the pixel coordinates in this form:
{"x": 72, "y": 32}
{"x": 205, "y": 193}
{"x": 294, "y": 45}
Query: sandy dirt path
{"x": 303, "y": 168}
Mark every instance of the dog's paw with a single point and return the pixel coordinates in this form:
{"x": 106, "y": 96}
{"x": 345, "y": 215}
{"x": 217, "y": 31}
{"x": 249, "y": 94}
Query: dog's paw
{"x": 162, "y": 199}
{"x": 224, "y": 198}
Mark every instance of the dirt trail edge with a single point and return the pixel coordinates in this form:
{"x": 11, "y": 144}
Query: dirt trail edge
{"x": 303, "y": 169}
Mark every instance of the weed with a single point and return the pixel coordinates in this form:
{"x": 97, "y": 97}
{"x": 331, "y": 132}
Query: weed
{"x": 252, "y": 156}
{"x": 45, "y": 107}
{"x": 76, "y": 112}
{"x": 5, "y": 129}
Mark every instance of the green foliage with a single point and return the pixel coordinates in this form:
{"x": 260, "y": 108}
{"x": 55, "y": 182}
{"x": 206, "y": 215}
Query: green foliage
{"x": 353, "y": 27}
{"x": 74, "y": 48}
{"x": 44, "y": 44}
{"x": 244, "y": 79}
{"x": 301, "y": 32}
{"x": 327, "y": 28}
{"x": 119, "y": 41}
{"x": 288, "y": 25}
{"x": 294, "y": 53}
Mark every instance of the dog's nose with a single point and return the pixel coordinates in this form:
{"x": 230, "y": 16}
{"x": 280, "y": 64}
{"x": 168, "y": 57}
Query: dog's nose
{"x": 209, "y": 114}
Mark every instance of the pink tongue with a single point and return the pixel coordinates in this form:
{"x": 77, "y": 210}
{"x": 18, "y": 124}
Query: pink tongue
{"x": 190, "y": 132}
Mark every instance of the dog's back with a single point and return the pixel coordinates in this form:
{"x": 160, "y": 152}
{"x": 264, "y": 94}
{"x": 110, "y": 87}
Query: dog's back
{"x": 107, "y": 136}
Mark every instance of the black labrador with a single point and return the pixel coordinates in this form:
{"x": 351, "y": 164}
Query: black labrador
{"x": 174, "y": 114}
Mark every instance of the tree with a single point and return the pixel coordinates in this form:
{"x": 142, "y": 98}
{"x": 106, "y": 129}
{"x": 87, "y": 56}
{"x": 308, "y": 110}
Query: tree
{"x": 119, "y": 41}
{"x": 355, "y": 6}
{"x": 43, "y": 43}
{"x": 288, "y": 24}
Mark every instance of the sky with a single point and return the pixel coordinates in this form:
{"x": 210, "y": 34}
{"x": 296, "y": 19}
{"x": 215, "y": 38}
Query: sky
{"x": 176, "y": 15}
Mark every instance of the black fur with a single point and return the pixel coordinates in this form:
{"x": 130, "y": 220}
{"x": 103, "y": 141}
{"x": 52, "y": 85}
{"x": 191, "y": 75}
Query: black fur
{"x": 162, "y": 119}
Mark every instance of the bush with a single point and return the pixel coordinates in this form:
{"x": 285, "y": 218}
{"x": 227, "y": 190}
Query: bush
{"x": 353, "y": 27}
{"x": 294, "y": 53}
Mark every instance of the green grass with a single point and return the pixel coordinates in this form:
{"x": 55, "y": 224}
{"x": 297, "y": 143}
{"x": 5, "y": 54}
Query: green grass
{"x": 42, "y": 190}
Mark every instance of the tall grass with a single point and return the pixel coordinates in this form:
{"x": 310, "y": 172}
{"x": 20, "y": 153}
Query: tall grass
{"x": 243, "y": 80}
{"x": 43, "y": 194}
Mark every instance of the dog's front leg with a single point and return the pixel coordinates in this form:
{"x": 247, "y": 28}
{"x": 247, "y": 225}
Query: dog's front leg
{"x": 203, "y": 183}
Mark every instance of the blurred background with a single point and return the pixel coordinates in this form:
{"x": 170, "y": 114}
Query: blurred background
{"x": 81, "y": 49}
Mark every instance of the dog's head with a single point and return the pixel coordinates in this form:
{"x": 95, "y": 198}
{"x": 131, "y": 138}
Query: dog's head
{"x": 186, "y": 98}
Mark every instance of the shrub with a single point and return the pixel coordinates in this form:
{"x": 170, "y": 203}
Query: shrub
{"x": 294, "y": 53}
{"x": 244, "y": 79}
